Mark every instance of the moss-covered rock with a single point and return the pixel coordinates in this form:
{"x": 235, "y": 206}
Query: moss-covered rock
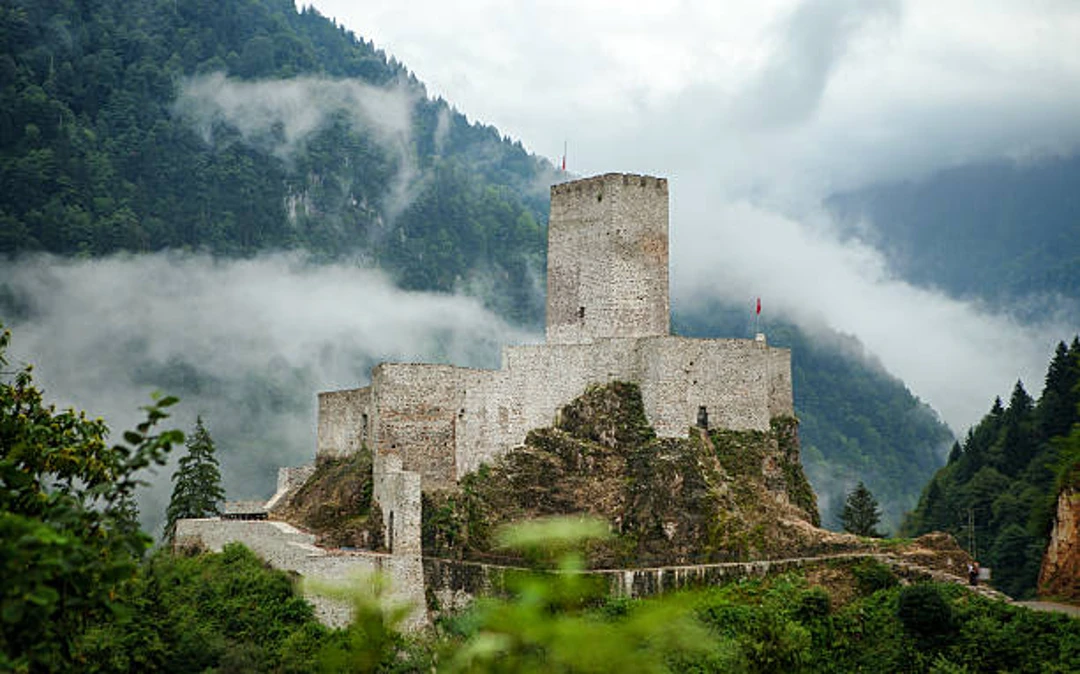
{"x": 335, "y": 503}
{"x": 717, "y": 496}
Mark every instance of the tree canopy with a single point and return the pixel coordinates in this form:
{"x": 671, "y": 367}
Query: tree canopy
{"x": 197, "y": 491}
{"x": 861, "y": 513}
{"x": 69, "y": 540}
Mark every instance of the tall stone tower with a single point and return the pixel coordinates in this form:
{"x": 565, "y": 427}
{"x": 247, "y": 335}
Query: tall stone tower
{"x": 608, "y": 259}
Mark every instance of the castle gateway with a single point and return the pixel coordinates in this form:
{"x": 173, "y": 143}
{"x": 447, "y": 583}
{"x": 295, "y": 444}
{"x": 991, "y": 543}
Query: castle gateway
{"x": 608, "y": 318}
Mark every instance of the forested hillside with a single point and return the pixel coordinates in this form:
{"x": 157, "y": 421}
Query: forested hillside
{"x": 121, "y": 130}
{"x": 997, "y": 492}
{"x": 1001, "y": 232}
{"x": 245, "y": 126}
{"x": 856, "y": 422}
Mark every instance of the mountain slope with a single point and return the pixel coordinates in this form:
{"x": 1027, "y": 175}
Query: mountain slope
{"x": 128, "y": 127}
{"x": 1000, "y": 232}
{"x": 244, "y": 126}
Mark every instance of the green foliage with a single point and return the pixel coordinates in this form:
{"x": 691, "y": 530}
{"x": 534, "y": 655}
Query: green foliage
{"x": 925, "y": 614}
{"x": 224, "y": 611}
{"x": 97, "y": 156}
{"x": 1007, "y": 476}
{"x": 861, "y": 513}
{"x": 198, "y": 491}
{"x": 68, "y": 538}
{"x": 548, "y": 625}
{"x": 372, "y": 642}
{"x": 872, "y": 576}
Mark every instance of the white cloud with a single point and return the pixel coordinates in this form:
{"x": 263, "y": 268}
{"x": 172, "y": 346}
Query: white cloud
{"x": 282, "y": 115}
{"x": 246, "y": 343}
{"x": 955, "y": 355}
{"x": 758, "y": 110}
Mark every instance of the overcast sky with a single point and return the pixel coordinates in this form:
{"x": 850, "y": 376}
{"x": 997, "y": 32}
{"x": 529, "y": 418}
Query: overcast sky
{"x": 755, "y": 111}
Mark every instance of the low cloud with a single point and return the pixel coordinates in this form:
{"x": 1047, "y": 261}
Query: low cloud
{"x": 246, "y": 344}
{"x": 281, "y": 116}
{"x": 954, "y": 354}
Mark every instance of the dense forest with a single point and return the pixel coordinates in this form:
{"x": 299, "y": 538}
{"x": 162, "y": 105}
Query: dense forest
{"x": 998, "y": 491}
{"x": 109, "y": 148}
{"x": 122, "y": 133}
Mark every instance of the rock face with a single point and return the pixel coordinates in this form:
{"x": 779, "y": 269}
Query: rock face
{"x": 1060, "y": 573}
{"x": 710, "y": 496}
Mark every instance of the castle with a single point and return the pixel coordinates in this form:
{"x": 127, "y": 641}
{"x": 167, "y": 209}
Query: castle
{"x": 608, "y": 318}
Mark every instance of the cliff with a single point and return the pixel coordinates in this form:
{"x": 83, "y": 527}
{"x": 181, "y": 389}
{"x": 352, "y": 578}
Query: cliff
{"x": 1059, "y": 577}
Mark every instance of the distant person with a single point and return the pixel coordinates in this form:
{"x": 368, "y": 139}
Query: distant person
{"x": 973, "y": 573}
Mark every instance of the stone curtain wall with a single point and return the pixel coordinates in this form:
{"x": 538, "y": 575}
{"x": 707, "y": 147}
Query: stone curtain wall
{"x": 608, "y": 259}
{"x": 443, "y": 421}
{"x": 417, "y": 410}
{"x": 342, "y": 429}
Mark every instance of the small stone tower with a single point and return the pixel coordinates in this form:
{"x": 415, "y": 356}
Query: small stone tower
{"x": 608, "y": 259}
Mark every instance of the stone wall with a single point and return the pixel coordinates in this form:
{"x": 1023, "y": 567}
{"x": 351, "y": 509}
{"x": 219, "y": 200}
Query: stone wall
{"x": 417, "y": 410}
{"x": 290, "y": 478}
{"x": 453, "y": 583}
{"x": 344, "y": 422}
{"x": 397, "y": 492}
{"x": 443, "y": 421}
{"x": 608, "y": 259}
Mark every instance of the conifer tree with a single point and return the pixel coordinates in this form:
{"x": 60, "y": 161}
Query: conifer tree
{"x": 198, "y": 491}
{"x": 861, "y": 513}
{"x": 1057, "y": 406}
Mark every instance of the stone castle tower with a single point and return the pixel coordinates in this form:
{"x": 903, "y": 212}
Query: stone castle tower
{"x": 608, "y": 259}
{"x": 607, "y": 319}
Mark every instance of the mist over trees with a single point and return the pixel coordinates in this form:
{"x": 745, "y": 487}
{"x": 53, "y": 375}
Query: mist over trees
{"x": 1001, "y": 232}
{"x": 167, "y": 126}
{"x": 104, "y": 158}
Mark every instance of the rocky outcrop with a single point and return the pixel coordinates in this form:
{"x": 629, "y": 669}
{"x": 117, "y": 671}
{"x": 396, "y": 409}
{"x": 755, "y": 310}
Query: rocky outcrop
{"x": 1060, "y": 573}
{"x": 712, "y": 496}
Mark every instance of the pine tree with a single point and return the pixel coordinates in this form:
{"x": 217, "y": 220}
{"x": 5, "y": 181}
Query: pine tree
{"x": 861, "y": 513}
{"x": 1057, "y": 406}
{"x": 198, "y": 491}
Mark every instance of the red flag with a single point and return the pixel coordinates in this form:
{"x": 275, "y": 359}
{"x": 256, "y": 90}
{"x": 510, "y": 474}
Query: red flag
{"x": 759, "y": 306}
{"x": 564, "y": 163}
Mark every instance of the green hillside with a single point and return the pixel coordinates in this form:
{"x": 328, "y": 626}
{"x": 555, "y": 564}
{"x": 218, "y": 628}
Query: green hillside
{"x": 997, "y": 493}
{"x": 99, "y": 155}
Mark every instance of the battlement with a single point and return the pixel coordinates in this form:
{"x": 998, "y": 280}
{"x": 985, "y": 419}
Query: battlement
{"x": 625, "y": 179}
{"x": 608, "y": 259}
